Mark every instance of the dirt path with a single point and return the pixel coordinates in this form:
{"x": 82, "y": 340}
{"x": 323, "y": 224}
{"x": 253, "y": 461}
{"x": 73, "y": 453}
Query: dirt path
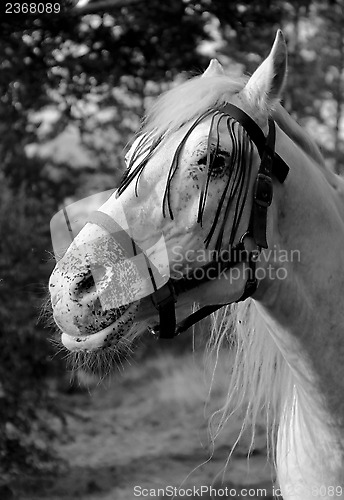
{"x": 146, "y": 431}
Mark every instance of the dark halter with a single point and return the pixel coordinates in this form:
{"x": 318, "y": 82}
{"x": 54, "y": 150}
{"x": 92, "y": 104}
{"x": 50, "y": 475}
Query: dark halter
{"x": 271, "y": 163}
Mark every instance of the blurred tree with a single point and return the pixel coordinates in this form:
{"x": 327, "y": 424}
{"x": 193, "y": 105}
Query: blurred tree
{"x": 74, "y": 62}
{"x": 315, "y": 81}
{"x": 328, "y": 43}
{"x": 314, "y": 33}
{"x": 27, "y": 409}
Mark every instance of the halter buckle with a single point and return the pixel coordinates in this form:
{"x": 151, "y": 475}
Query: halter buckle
{"x": 164, "y": 300}
{"x": 263, "y": 191}
{"x": 164, "y": 295}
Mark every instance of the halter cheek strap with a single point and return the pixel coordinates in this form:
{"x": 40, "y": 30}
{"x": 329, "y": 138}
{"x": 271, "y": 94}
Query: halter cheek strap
{"x": 271, "y": 165}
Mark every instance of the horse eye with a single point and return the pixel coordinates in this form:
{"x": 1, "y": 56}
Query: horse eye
{"x": 218, "y": 163}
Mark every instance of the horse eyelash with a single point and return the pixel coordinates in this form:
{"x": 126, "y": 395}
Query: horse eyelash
{"x": 145, "y": 147}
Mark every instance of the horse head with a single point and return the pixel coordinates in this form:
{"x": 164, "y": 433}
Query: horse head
{"x": 192, "y": 209}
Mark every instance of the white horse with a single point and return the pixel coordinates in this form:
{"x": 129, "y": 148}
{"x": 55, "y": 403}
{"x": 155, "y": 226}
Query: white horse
{"x": 201, "y": 175}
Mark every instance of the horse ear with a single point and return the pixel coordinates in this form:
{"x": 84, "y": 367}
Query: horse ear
{"x": 266, "y": 84}
{"x": 214, "y": 69}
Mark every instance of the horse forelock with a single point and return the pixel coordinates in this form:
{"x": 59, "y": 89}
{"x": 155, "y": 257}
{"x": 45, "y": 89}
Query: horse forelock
{"x": 186, "y": 102}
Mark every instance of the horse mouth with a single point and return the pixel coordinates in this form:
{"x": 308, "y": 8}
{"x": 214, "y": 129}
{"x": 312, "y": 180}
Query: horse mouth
{"x": 105, "y": 337}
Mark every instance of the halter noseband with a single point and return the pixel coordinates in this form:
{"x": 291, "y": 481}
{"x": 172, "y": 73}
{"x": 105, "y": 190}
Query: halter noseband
{"x": 271, "y": 163}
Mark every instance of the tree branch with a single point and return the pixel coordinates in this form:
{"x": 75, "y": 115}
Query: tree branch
{"x": 105, "y": 5}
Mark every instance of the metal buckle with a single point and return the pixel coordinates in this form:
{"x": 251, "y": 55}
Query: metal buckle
{"x": 263, "y": 191}
{"x": 154, "y": 331}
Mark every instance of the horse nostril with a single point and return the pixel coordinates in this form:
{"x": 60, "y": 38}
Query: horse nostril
{"x": 90, "y": 282}
{"x": 85, "y": 285}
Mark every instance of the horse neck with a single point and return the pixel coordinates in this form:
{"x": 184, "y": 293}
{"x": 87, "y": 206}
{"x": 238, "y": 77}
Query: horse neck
{"x": 305, "y": 315}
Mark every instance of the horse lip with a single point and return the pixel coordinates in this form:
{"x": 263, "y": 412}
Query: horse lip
{"x": 98, "y": 339}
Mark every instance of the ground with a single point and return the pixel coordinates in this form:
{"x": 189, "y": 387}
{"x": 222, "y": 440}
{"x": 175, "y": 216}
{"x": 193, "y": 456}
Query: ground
{"x": 148, "y": 429}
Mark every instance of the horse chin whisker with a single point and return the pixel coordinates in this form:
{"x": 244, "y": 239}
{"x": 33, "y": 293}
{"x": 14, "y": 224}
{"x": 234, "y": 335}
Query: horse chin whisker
{"x": 51, "y": 257}
{"x": 102, "y": 362}
{"x": 46, "y": 312}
